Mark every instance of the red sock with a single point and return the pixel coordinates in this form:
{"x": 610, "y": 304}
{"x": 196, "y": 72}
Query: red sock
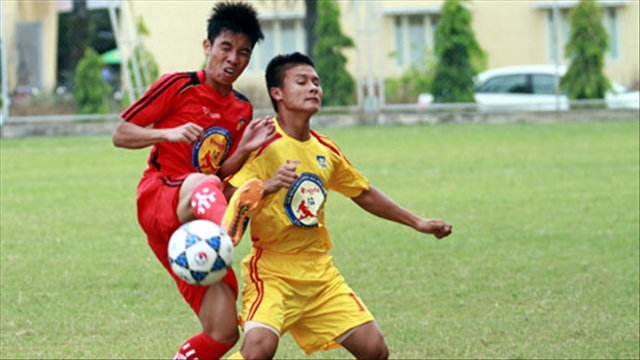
{"x": 202, "y": 347}
{"x": 208, "y": 201}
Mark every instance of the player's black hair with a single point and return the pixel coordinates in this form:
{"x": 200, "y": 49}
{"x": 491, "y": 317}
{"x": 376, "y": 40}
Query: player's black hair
{"x": 274, "y": 75}
{"x": 237, "y": 17}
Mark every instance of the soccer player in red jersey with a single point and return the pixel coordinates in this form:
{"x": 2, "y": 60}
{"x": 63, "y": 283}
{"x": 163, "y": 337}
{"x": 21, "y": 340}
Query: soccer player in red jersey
{"x": 200, "y": 130}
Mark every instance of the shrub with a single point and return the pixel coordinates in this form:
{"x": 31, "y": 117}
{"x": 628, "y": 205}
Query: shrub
{"x": 459, "y": 55}
{"x": 588, "y": 43}
{"x": 91, "y": 94}
{"x": 413, "y": 82}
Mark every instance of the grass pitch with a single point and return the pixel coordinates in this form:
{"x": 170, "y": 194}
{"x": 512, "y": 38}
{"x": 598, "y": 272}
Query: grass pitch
{"x": 543, "y": 262}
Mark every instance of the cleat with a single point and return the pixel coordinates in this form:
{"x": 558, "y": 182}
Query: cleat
{"x": 241, "y": 204}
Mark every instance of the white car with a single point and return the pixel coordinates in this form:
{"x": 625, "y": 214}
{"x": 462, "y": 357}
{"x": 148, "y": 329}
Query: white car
{"x": 531, "y": 88}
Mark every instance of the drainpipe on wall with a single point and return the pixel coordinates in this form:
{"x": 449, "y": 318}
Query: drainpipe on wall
{"x": 370, "y": 102}
{"x": 556, "y": 34}
{"x": 6, "y": 102}
{"x": 359, "y": 80}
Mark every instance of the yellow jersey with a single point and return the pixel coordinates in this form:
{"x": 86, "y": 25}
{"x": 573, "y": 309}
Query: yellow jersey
{"x": 292, "y": 220}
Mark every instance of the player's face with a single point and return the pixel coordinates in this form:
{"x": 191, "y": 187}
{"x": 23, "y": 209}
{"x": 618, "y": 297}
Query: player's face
{"x": 227, "y": 58}
{"x": 301, "y": 90}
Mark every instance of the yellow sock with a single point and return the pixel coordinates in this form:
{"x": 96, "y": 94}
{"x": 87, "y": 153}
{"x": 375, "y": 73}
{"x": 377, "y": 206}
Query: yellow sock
{"x": 237, "y": 356}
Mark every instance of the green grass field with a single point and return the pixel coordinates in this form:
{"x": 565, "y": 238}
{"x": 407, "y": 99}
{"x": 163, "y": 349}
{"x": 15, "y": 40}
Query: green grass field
{"x": 543, "y": 262}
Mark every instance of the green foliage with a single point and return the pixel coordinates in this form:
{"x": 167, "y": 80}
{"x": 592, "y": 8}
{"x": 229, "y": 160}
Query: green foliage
{"x": 91, "y": 94}
{"x": 588, "y": 43}
{"x": 459, "y": 55}
{"x": 413, "y": 82}
{"x": 337, "y": 83}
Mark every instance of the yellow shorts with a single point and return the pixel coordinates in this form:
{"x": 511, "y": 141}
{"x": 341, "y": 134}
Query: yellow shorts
{"x": 301, "y": 293}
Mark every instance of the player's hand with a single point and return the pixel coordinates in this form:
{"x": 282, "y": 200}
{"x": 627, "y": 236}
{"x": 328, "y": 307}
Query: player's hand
{"x": 436, "y": 227}
{"x": 257, "y": 133}
{"x": 284, "y": 178}
{"x": 186, "y": 133}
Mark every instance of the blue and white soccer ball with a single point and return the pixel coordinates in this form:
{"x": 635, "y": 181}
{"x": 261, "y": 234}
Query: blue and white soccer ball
{"x": 200, "y": 252}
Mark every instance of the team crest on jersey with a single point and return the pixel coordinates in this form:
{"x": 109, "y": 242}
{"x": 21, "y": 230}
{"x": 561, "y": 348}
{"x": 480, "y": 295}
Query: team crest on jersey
{"x": 209, "y": 152}
{"x": 304, "y": 200}
{"x": 322, "y": 161}
{"x": 241, "y": 123}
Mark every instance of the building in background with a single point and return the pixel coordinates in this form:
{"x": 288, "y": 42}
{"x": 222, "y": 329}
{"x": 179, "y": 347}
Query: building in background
{"x": 390, "y": 36}
{"x": 29, "y": 38}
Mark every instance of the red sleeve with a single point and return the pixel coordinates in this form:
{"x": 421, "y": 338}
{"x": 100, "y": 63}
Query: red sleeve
{"x": 157, "y": 102}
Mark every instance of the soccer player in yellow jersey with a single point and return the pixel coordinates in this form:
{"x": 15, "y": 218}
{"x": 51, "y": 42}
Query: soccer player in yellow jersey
{"x": 290, "y": 282}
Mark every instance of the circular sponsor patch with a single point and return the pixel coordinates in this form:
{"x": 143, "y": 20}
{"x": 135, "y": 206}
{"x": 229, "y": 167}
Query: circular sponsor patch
{"x": 304, "y": 200}
{"x": 209, "y": 153}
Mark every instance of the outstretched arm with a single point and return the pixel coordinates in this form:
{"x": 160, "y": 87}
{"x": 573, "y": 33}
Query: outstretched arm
{"x": 377, "y": 203}
{"x": 131, "y": 136}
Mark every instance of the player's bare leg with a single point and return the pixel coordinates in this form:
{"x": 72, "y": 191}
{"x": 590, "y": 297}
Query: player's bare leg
{"x": 218, "y": 314}
{"x": 218, "y": 319}
{"x": 366, "y": 342}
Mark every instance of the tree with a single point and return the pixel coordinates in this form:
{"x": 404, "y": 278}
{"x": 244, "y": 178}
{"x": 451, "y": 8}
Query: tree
{"x": 588, "y": 43}
{"x": 91, "y": 93}
{"x": 337, "y": 83}
{"x": 459, "y": 57}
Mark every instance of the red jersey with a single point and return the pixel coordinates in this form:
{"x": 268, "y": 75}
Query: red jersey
{"x": 178, "y": 98}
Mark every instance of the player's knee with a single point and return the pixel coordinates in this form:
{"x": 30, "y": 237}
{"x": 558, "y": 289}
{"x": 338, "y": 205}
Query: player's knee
{"x": 228, "y": 335}
{"x": 374, "y": 350}
{"x": 259, "y": 347}
{"x": 263, "y": 351}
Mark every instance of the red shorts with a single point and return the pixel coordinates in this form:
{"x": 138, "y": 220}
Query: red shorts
{"x": 157, "y": 203}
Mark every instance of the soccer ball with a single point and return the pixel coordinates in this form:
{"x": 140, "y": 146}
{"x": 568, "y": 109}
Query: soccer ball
{"x": 200, "y": 252}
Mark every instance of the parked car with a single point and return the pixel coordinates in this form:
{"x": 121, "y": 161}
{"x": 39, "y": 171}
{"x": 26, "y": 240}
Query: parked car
{"x": 531, "y": 88}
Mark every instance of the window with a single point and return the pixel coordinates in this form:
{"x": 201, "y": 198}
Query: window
{"x": 102, "y": 39}
{"x": 280, "y": 36}
{"x": 414, "y": 37}
{"x": 29, "y": 49}
{"x": 505, "y": 84}
{"x": 543, "y": 84}
{"x": 610, "y": 21}
{"x": 563, "y": 34}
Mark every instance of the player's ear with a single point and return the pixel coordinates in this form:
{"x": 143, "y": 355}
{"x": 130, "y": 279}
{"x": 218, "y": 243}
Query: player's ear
{"x": 276, "y": 93}
{"x": 206, "y": 45}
